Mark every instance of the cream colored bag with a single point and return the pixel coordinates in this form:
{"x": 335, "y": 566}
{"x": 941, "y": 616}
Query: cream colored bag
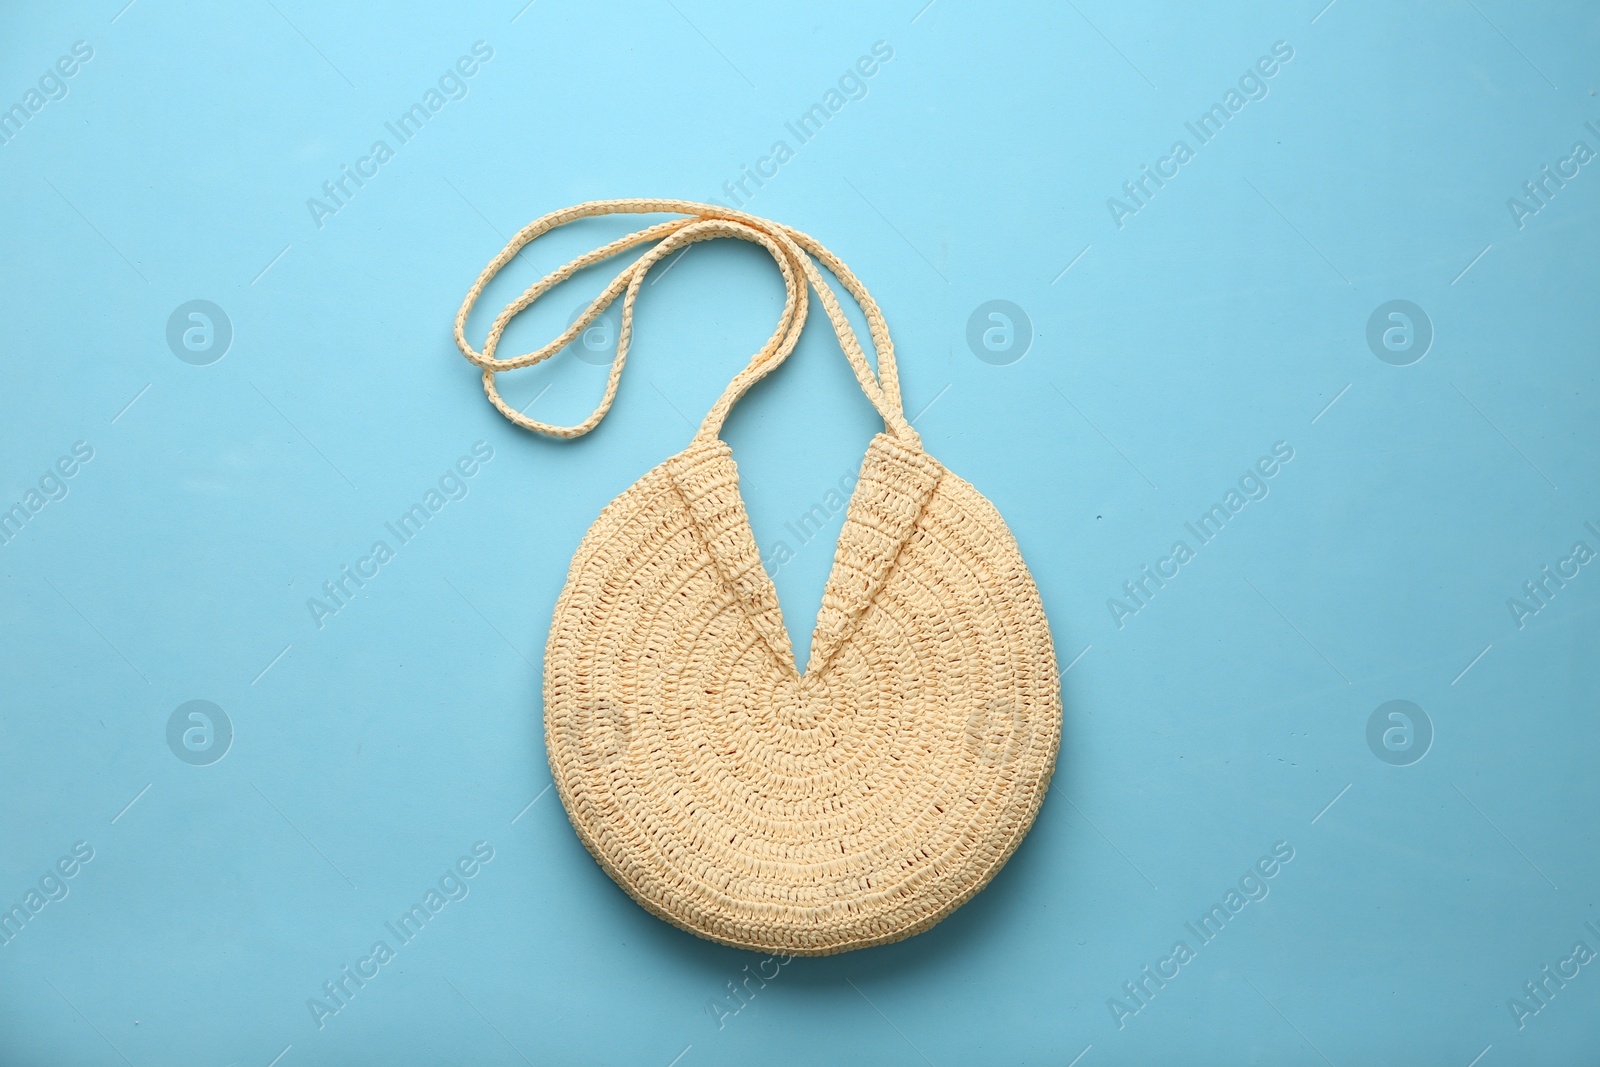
{"x": 854, "y": 804}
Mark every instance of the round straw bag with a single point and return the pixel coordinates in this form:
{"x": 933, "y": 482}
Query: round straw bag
{"x": 856, "y": 803}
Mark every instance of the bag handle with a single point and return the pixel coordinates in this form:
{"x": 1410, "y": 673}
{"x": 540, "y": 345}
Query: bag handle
{"x": 790, "y": 249}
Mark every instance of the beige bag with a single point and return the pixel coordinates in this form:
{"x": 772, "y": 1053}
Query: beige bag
{"x": 854, "y": 804}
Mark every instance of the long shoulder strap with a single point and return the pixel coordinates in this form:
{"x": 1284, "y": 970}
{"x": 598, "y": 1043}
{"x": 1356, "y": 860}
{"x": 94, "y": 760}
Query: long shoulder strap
{"x": 790, "y": 249}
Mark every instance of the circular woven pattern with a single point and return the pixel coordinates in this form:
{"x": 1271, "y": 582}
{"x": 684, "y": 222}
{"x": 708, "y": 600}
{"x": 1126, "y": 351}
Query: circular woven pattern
{"x": 853, "y": 805}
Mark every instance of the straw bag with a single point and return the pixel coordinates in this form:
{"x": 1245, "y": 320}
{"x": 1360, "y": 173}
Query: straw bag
{"x": 856, "y": 803}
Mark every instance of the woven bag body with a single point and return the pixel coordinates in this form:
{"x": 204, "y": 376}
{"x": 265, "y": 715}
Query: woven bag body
{"x": 857, "y": 802}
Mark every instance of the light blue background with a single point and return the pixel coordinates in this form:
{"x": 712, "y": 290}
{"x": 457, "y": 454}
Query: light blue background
{"x": 1229, "y": 714}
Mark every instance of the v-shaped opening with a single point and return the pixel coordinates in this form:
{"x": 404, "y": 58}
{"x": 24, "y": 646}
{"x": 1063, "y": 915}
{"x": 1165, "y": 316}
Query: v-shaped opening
{"x": 894, "y": 483}
{"x": 798, "y": 546}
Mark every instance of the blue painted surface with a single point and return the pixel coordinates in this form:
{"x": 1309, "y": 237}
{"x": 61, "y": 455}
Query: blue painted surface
{"x": 1175, "y": 340}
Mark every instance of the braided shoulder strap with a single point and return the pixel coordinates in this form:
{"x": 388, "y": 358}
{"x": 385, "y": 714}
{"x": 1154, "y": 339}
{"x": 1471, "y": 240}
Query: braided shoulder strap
{"x": 790, "y": 249}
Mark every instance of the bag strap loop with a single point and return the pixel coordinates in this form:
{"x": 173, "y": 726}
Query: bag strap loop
{"x": 789, "y": 248}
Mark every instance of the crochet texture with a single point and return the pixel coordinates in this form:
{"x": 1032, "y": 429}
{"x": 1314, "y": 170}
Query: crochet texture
{"x": 857, "y": 802}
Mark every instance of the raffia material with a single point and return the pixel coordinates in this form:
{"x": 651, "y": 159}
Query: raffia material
{"x": 855, "y": 803}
